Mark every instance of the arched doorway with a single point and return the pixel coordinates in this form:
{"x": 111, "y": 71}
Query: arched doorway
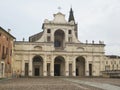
{"x": 59, "y": 66}
{"x": 80, "y": 66}
{"x": 59, "y": 38}
{"x": 37, "y": 66}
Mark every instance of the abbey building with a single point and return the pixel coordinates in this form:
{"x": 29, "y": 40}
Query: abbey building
{"x": 56, "y": 51}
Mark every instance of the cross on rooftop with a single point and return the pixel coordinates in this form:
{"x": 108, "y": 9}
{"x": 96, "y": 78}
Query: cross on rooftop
{"x": 59, "y": 8}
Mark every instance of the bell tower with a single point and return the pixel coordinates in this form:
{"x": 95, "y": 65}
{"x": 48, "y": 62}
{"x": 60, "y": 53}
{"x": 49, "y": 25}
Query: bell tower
{"x": 71, "y": 18}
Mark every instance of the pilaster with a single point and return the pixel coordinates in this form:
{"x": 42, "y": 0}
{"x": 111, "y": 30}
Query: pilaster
{"x": 45, "y": 67}
{"x": 86, "y": 68}
{"x": 52, "y": 67}
{"x": 74, "y": 68}
{"x": 30, "y": 67}
{"x": 67, "y": 67}
{"x": 23, "y": 68}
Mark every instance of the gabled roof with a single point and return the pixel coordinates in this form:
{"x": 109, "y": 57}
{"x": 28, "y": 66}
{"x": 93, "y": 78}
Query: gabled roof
{"x": 35, "y": 37}
{"x": 7, "y": 32}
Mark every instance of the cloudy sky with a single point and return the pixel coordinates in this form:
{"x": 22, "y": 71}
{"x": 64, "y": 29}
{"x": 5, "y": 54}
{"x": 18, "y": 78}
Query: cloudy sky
{"x": 97, "y": 19}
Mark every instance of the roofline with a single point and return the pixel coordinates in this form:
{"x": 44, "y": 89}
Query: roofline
{"x": 113, "y": 56}
{"x": 36, "y": 34}
{"x": 7, "y": 33}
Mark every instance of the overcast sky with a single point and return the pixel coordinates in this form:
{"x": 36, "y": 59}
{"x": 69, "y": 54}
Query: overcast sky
{"x": 97, "y": 19}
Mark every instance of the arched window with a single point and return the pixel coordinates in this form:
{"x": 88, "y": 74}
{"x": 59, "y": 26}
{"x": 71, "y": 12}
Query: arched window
{"x": 57, "y": 44}
{"x": 59, "y": 37}
{"x": 37, "y": 59}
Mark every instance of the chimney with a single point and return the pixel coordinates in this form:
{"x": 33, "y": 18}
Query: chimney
{"x": 9, "y": 30}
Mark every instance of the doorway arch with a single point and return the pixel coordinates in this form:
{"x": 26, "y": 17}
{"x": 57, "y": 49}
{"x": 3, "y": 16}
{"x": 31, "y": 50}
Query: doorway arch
{"x": 37, "y": 66}
{"x": 80, "y": 66}
{"x": 59, "y": 66}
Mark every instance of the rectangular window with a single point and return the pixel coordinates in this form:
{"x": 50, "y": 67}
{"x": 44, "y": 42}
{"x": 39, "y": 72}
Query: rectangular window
{"x": 48, "y": 31}
{"x": 117, "y": 66}
{"x": 0, "y": 48}
{"x": 111, "y": 62}
{"x": 2, "y": 68}
{"x": 107, "y": 68}
{"x": 48, "y": 38}
{"x": 7, "y": 52}
{"x": 26, "y": 69}
{"x": 114, "y": 62}
{"x": 70, "y": 39}
{"x": 112, "y": 67}
{"x": 90, "y": 69}
{"x": 69, "y": 32}
{"x": 3, "y": 52}
{"x": 7, "y": 38}
{"x": 11, "y": 52}
{"x": 106, "y": 62}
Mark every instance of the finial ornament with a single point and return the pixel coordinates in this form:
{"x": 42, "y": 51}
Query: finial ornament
{"x": 59, "y": 8}
{"x": 71, "y": 6}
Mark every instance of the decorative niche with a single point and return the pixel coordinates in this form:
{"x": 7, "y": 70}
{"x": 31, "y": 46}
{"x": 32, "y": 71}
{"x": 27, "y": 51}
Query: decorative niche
{"x": 38, "y": 48}
{"x": 80, "y": 48}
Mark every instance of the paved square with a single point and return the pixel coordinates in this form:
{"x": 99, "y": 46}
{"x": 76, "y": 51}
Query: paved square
{"x": 59, "y": 84}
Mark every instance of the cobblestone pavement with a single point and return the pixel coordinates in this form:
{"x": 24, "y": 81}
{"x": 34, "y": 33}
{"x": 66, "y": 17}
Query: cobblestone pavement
{"x": 54, "y": 83}
{"x": 113, "y": 81}
{"x": 103, "y": 83}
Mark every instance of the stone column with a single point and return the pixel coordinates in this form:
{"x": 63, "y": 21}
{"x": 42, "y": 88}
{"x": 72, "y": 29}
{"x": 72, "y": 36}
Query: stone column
{"x": 74, "y": 68}
{"x": 44, "y": 68}
{"x": 30, "y": 67}
{"x": 93, "y": 66}
{"x": 101, "y": 64}
{"x": 23, "y": 68}
{"x": 52, "y": 35}
{"x": 66, "y": 35}
{"x": 52, "y": 68}
{"x": 66, "y": 67}
{"x": 86, "y": 68}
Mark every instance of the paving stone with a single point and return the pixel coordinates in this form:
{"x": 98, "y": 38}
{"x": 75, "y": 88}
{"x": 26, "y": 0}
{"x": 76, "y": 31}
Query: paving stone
{"x": 51, "y": 84}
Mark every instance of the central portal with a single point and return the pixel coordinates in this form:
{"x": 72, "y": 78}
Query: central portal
{"x": 37, "y": 66}
{"x": 37, "y": 71}
{"x": 57, "y": 69}
{"x": 59, "y": 66}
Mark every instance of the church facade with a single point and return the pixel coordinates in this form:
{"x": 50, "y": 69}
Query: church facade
{"x": 56, "y": 51}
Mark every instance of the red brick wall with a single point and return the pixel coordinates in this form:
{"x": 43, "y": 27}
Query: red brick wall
{"x": 6, "y": 55}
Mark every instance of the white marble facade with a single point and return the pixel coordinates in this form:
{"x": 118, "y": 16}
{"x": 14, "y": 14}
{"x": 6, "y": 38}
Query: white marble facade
{"x": 56, "y": 51}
